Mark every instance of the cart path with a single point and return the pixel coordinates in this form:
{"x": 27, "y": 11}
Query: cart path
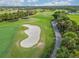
{"x": 57, "y": 41}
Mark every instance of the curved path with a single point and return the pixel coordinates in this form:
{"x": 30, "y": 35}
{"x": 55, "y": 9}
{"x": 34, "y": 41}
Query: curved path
{"x": 33, "y": 33}
{"x": 58, "y": 39}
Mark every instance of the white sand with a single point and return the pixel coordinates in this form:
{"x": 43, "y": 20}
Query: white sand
{"x": 33, "y": 38}
{"x": 40, "y": 45}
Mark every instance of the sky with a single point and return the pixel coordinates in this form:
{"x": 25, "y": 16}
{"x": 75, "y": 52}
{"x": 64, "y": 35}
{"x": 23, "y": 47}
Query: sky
{"x": 38, "y": 2}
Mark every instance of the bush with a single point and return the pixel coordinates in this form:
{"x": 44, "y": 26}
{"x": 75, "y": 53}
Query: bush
{"x": 63, "y": 53}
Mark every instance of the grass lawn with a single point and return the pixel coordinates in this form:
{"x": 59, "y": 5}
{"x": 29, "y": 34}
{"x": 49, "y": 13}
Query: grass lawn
{"x": 7, "y": 32}
{"x": 75, "y": 17}
{"x": 12, "y": 33}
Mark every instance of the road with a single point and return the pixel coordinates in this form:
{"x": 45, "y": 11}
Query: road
{"x": 57, "y": 41}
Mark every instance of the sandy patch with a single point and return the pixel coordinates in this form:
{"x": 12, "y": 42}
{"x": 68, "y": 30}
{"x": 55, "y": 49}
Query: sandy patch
{"x": 40, "y": 45}
{"x": 33, "y": 38}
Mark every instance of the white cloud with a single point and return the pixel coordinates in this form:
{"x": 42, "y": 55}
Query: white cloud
{"x": 70, "y": 0}
{"x": 21, "y": 0}
{"x": 11, "y": 2}
{"x": 16, "y": 1}
{"x": 61, "y": 3}
{"x": 57, "y": 3}
{"x": 32, "y": 1}
{"x": 35, "y": 2}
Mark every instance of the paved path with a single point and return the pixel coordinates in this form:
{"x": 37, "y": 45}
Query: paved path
{"x": 58, "y": 39}
{"x": 33, "y": 38}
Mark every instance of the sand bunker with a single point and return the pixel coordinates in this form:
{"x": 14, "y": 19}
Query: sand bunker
{"x": 33, "y": 38}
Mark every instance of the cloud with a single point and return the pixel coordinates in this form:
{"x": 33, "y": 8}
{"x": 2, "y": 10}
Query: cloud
{"x": 58, "y": 3}
{"x": 32, "y": 1}
{"x": 21, "y": 0}
{"x": 36, "y": 2}
{"x": 55, "y": 3}
{"x": 11, "y": 2}
{"x": 61, "y": 3}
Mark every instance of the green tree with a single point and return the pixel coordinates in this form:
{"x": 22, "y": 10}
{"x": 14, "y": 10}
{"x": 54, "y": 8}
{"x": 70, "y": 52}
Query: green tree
{"x": 69, "y": 40}
{"x": 63, "y": 53}
{"x": 56, "y": 14}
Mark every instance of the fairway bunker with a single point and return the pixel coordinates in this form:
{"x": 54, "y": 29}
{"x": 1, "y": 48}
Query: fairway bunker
{"x": 33, "y": 38}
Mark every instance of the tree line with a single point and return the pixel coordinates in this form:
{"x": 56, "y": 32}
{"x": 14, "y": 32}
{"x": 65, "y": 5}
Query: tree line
{"x": 70, "y": 35}
{"x": 16, "y": 15}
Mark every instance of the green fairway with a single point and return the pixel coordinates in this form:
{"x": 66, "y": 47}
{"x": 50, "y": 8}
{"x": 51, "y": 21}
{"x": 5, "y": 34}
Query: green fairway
{"x": 6, "y": 35}
{"x": 12, "y": 33}
{"x": 7, "y": 32}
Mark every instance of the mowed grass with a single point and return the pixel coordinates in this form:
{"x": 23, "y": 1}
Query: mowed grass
{"x": 13, "y": 49}
{"x": 74, "y": 17}
{"x": 7, "y": 32}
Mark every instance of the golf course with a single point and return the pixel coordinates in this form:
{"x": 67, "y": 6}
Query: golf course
{"x": 39, "y": 33}
{"x": 17, "y": 40}
{"x": 39, "y": 29}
